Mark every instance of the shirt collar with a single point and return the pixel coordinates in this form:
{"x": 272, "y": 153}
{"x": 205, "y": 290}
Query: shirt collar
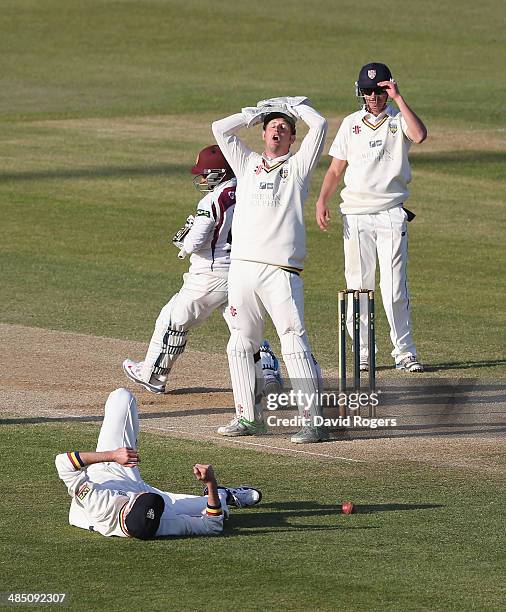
{"x": 275, "y": 160}
{"x": 374, "y": 120}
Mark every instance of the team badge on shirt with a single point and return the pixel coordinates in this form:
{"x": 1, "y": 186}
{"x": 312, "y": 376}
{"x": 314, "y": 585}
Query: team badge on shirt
{"x": 283, "y": 173}
{"x": 393, "y": 128}
{"x": 83, "y": 492}
{"x": 356, "y": 129}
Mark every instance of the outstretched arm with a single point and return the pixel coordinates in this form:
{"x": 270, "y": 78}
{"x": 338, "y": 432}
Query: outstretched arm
{"x": 416, "y": 132}
{"x": 330, "y": 182}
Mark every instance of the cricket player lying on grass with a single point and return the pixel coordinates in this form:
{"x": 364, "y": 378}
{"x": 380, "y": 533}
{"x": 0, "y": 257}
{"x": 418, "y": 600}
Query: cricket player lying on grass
{"x": 109, "y": 495}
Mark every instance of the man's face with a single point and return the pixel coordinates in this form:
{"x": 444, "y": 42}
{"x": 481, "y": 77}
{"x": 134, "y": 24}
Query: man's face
{"x": 375, "y": 100}
{"x": 278, "y": 137}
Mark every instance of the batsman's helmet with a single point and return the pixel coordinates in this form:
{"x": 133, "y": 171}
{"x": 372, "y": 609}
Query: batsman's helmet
{"x": 213, "y": 167}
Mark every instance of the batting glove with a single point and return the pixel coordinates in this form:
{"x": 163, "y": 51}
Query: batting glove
{"x": 180, "y": 235}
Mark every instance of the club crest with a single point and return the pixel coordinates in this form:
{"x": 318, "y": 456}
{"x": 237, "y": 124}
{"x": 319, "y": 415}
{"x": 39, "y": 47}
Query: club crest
{"x": 283, "y": 173}
{"x": 371, "y": 74}
{"x": 393, "y": 128}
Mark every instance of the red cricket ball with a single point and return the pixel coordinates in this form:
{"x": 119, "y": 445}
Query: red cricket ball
{"x": 348, "y": 507}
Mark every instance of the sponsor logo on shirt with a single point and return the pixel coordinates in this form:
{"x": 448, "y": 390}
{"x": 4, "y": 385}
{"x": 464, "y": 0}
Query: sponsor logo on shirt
{"x": 375, "y": 143}
{"x": 203, "y": 213}
{"x": 356, "y": 129}
{"x": 264, "y": 185}
{"x": 233, "y": 311}
{"x": 258, "y": 169}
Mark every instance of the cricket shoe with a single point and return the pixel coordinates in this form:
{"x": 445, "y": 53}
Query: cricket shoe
{"x": 409, "y": 364}
{"x": 273, "y": 381}
{"x": 133, "y": 370}
{"x": 364, "y": 364}
{"x": 310, "y": 435}
{"x": 241, "y": 427}
{"x": 240, "y": 497}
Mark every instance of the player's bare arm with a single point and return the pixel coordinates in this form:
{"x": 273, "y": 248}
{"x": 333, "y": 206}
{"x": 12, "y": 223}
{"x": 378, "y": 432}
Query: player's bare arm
{"x": 205, "y": 474}
{"x": 417, "y": 132}
{"x": 330, "y": 182}
{"x": 128, "y": 457}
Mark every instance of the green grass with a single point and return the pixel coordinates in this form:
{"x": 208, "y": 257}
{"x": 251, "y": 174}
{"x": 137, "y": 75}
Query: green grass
{"x": 103, "y": 107}
{"x": 424, "y": 537}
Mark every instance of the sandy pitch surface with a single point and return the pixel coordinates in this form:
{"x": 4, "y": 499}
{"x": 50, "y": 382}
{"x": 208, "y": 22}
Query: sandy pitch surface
{"x": 60, "y": 376}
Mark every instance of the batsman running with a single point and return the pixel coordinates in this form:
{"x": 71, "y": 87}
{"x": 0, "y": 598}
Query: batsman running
{"x": 206, "y": 237}
{"x": 371, "y": 150}
{"x": 268, "y": 255}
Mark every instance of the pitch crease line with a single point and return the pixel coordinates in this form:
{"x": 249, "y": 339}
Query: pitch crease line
{"x": 240, "y": 442}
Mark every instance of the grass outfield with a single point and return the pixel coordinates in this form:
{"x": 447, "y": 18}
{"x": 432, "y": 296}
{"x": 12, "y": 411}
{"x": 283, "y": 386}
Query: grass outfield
{"x": 424, "y": 537}
{"x": 103, "y": 108}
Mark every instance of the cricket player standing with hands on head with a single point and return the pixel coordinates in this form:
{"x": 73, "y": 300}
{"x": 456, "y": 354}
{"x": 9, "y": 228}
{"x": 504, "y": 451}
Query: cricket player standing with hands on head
{"x": 268, "y": 253}
{"x": 371, "y": 149}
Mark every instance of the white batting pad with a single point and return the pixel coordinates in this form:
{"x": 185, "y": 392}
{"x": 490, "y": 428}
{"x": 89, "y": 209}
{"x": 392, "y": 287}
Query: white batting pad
{"x": 244, "y": 374}
{"x": 304, "y": 373}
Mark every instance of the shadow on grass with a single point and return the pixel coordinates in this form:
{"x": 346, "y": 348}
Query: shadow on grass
{"x": 96, "y": 418}
{"x": 451, "y": 365}
{"x": 460, "y": 162}
{"x": 189, "y": 390}
{"x": 264, "y": 521}
{"x": 99, "y": 172}
{"x": 464, "y": 365}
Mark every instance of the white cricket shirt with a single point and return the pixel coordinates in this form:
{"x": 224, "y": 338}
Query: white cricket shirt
{"x": 268, "y": 225}
{"x": 378, "y": 171}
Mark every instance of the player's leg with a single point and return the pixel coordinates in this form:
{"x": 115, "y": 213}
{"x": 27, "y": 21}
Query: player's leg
{"x": 282, "y": 293}
{"x": 245, "y": 319}
{"x": 200, "y": 295}
{"x": 120, "y": 427}
{"x": 191, "y": 505}
{"x": 359, "y": 241}
{"x": 393, "y": 258}
{"x": 269, "y": 364}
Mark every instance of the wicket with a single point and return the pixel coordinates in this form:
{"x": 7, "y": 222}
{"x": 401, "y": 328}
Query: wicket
{"x": 356, "y": 343}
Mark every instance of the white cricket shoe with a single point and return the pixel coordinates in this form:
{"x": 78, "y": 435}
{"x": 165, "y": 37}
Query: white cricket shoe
{"x": 240, "y": 497}
{"x": 409, "y": 364}
{"x": 242, "y": 427}
{"x": 310, "y": 435}
{"x": 133, "y": 370}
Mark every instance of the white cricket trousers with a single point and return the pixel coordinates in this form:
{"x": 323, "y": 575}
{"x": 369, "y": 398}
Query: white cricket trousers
{"x": 383, "y": 235}
{"x": 198, "y": 298}
{"x": 255, "y": 289}
{"x": 120, "y": 427}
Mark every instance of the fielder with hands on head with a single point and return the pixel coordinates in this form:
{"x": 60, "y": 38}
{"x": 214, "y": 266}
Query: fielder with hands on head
{"x": 371, "y": 149}
{"x": 110, "y": 497}
{"x": 268, "y": 253}
{"x": 206, "y": 237}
